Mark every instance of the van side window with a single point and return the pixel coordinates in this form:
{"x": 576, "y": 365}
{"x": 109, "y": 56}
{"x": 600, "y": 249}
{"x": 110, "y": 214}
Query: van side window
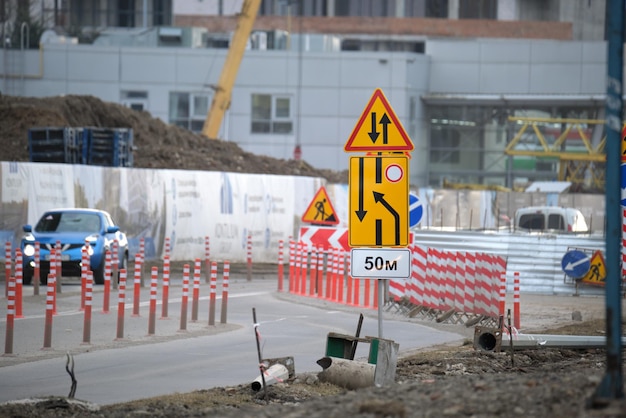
{"x": 556, "y": 221}
{"x": 532, "y": 221}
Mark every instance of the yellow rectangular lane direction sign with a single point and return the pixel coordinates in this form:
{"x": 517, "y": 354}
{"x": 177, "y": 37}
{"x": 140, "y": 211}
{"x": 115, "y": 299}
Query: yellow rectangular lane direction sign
{"x": 378, "y": 201}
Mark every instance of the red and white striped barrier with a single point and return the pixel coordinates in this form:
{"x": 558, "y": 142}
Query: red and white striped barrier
{"x": 313, "y": 271}
{"x": 324, "y": 237}
{"x": 452, "y": 281}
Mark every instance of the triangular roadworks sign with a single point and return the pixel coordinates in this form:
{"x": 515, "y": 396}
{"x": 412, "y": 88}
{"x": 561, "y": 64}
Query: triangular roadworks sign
{"x": 378, "y": 128}
{"x": 320, "y": 210}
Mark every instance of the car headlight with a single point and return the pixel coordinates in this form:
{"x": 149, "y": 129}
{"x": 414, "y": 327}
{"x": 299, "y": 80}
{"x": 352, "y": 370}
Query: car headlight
{"x": 29, "y": 250}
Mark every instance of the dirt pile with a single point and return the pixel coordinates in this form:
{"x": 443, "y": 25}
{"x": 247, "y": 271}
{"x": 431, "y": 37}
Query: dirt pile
{"x": 158, "y": 144}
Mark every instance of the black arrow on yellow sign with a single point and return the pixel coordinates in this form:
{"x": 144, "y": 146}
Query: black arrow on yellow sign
{"x": 360, "y": 213}
{"x": 373, "y": 133}
{"x": 379, "y": 197}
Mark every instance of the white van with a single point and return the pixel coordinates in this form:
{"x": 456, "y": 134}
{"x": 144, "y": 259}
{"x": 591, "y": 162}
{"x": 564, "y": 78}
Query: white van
{"x": 550, "y": 219}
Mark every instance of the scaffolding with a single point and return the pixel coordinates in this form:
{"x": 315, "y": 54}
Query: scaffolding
{"x": 577, "y": 145}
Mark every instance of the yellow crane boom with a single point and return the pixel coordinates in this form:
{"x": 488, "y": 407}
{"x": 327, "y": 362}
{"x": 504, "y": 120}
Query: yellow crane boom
{"x": 224, "y": 88}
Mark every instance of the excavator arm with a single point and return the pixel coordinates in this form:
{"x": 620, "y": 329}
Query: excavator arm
{"x": 224, "y": 88}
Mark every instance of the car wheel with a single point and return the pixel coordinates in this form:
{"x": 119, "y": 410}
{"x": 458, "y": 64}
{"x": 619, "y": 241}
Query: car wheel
{"x": 98, "y": 274}
{"x": 27, "y": 278}
{"x": 124, "y": 266}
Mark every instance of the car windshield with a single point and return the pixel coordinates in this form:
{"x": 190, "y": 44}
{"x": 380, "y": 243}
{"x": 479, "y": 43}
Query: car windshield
{"x": 69, "y": 222}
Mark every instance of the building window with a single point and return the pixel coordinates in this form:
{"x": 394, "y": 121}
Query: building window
{"x": 135, "y": 99}
{"x": 162, "y": 13}
{"x": 126, "y": 13}
{"x": 189, "y": 110}
{"x": 271, "y": 114}
{"x": 478, "y": 9}
{"x": 444, "y": 146}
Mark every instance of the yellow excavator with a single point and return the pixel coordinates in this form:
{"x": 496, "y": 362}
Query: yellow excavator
{"x": 224, "y": 88}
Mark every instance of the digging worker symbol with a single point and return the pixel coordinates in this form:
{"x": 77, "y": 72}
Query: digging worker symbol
{"x": 595, "y": 273}
{"x": 320, "y": 207}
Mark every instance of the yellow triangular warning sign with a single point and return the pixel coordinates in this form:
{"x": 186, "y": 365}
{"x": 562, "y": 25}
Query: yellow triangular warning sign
{"x": 378, "y": 129}
{"x": 597, "y": 270}
{"x": 320, "y": 210}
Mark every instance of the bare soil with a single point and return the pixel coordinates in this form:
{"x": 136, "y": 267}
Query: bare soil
{"x": 158, "y": 144}
{"x": 454, "y": 380}
{"x": 444, "y": 381}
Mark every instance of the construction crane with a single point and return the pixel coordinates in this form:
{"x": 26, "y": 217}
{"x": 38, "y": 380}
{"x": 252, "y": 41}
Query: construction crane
{"x": 581, "y": 161}
{"x": 224, "y": 88}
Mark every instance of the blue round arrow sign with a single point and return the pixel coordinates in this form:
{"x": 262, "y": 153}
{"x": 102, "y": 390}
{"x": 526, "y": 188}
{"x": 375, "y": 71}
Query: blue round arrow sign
{"x": 576, "y": 264}
{"x": 415, "y": 210}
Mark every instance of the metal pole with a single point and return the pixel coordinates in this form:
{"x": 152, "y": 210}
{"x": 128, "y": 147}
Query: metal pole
{"x": 258, "y": 350}
{"x": 611, "y": 386}
{"x": 381, "y": 289}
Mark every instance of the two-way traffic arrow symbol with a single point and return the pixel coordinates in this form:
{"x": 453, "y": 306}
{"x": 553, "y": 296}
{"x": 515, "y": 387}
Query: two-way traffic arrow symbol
{"x": 373, "y": 133}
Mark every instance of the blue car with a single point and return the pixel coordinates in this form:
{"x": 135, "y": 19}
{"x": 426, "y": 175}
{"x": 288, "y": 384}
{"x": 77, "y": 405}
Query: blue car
{"x": 72, "y": 228}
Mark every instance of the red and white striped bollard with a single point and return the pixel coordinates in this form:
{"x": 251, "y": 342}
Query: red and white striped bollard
{"x": 19, "y": 284}
{"x": 166, "y": 287}
{"x": 184, "y": 298}
{"x": 212, "y": 295}
{"x": 107, "y": 282}
{"x": 137, "y": 285}
{"x": 154, "y": 277}
{"x": 8, "y": 339}
{"x": 225, "y": 292}
{"x": 88, "y": 304}
{"x": 196, "y": 291}
{"x": 50, "y": 308}
{"x": 121, "y": 304}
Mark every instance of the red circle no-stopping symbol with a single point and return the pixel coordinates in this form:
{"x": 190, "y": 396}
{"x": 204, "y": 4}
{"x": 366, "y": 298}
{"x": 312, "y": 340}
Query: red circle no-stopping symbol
{"x": 394, "y": 173}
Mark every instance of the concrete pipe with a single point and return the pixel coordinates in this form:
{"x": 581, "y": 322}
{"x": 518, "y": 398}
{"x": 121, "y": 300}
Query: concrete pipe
{"x": 348, "y": 374}
{"x": 526, "y": 341}
{"x": 276, "y": 373}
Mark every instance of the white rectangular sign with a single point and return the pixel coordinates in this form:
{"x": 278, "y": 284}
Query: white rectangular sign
{"x": 380, "y": 263}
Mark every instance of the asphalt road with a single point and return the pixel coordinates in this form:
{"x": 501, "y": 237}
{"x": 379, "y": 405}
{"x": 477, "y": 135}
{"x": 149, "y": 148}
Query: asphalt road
{"x": 173, "y": 359}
